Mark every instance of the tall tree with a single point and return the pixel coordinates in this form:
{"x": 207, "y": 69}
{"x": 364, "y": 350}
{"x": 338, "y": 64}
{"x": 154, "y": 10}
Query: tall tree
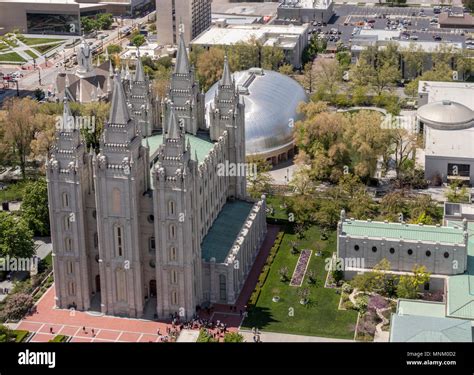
{"x": 209, "y": 67}
{"x": 34, "y": 207}
{"x": 16, "y": 238}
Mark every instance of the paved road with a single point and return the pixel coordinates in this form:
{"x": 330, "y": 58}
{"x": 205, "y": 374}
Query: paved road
{"x": 284, "y": 337}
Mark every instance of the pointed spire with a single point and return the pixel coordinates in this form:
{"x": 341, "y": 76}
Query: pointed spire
{"x": 226, "y": 79}
{"x": 119, "y": 113}
{"x": 182, "y": 61}
{"x": 106, "y": 54}
{"x": 78, "y": 91}
{"x": 68, "y": 120}
{"x": 172, "y": 126}
{"x": 139, "y": 72}
{"x": 111, "y": 69}
{"x": 196, "y": 156}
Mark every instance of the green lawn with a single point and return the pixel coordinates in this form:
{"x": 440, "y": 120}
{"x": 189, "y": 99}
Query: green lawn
{"x": 11, "y": 57}
{"x": 46, "y": 48}
{"x": 34, "y": 41}
{"x": 276, "y": 203}
{"x": 31, "y": 53}
{"x": 13, "y": 192}
{"x": 320, "y": 317}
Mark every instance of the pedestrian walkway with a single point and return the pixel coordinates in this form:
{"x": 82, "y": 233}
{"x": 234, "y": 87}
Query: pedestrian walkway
{"x": 285, "y": 337}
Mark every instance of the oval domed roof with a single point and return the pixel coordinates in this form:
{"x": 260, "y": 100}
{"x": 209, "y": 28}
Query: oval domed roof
{"x": 271, "y": 101}
{"x": 446, "y": 115}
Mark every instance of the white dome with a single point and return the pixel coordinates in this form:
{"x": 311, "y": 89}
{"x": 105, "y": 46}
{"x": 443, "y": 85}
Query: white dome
{"x": 446, "y": 115}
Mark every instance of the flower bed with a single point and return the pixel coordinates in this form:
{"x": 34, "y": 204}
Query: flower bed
{"x": 300, "y": 269}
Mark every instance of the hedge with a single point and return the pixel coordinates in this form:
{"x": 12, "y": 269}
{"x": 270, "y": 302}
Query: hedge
{"x": 20, "y": 335}
{"x": 265, "y": 270}
{"x": 59, "y": 338}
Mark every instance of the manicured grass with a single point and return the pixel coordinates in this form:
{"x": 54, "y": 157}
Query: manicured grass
{"x": 34, "y": 41}
{"x": 16, "y": 336}
{"x": 3, "y": 46}
{"x": 320, "y": 317}
{"x": 48, "y": 259}
{"x": 14, "y": 192}
{"x": 11, "y": 57}
{"x": 279, "y": 212}
{"x": 31, "y": 53}
{"x": 46, "y": 48}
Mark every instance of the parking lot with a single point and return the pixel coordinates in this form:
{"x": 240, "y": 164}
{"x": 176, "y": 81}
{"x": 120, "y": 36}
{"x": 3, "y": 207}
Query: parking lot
{"x": 414, "y": 23}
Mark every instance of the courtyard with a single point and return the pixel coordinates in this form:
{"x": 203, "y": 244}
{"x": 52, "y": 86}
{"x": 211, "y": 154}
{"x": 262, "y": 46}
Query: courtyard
{"x": 320, "y": 316}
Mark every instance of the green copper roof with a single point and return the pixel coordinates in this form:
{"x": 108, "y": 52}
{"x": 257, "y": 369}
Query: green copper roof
{"x": 412, "y": 328}
{"x": 398, "y": 231}
{"x": 460, "y": 300}
{"x": 421, "y": 308}
{"x": 224, "y": 230}
{"x": 200, "y": 145}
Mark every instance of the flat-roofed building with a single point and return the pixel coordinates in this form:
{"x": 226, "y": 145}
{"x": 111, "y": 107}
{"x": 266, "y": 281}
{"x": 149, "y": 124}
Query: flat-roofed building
{"x": 445, "y": 117}
{"x": 304, "y": 11}
{"x": 460, "y": 20}
{"x": 195, "y": 15}
{"x": 441, "y": 249}
{"x": 291, "y": 39}
{"x": 57, "y": 16}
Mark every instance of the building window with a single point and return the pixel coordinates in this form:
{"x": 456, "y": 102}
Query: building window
{"x": 120, "y": 282}
{"x": 356, "y": 247}
{"x": 67, "y": 222}
{"x": 222, "y": 288}
{"x": 96, "y": 240}
{"x": 152, "y": 244}
{"x": 173, "y": 254}
{"x": 118, "y": 241}
{"x": 172, "y": 231}
{"x": 171, "y": 208}
{"x": 174, "y": 277}
{"x": 446, "y": 255}
{"x": 174, "y": 297}
{"x": 410, "y": 251}
{"x": 68, "y": 244}
{"x": 71, "y": 288}
{"x": 461, "y": 170}
{"x": 65, "y": 199}
{"x": 94, "y": 214}
{"x": 427, "y": 286}
{"x": 150, "y": 218}
{"x": 374, "y": 249}
{"x": 428, "y": 253}
{"x": 116, "y": 201}
{"x": 152, "y": 263}
{"x": 392, "y": 250}
{"x": 70, "y": 269}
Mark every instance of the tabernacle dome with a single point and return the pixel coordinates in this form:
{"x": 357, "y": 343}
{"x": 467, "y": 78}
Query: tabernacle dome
{"x": 446, "y": 115}
{"x": 271, "y": 102}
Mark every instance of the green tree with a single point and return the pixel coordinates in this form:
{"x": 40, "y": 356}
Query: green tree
{"x": 34, "y": 207}
{"x": 408, "y": 285}
{"x": 259, "y": 183}
{"x": 138, "y": 40}
{"x": 209, "y": 67}
{"x": 89, "y": 24}
{"x": 286, "y": 69}
{"x": 113, "y": 49}
{"x": 105, "y": 21}
{"x": 16, "y": 238}
{"x": 272, "y": 57}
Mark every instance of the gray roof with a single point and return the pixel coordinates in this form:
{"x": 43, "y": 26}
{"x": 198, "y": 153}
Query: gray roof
{"x": 446, "y": 114}
{"x": 182, "y": 61}
{"x": 226, "y": 79}
{"x": 119, "y": 113}
{"x": 413, "y": 328}
{"x": 271, "y": 101}
{"x": 139, "y": 72}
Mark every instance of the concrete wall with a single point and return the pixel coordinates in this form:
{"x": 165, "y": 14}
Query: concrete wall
{"x": 397, "y": 253}
{"x": 305, "y": 15}
{"x": 439, "y": 164}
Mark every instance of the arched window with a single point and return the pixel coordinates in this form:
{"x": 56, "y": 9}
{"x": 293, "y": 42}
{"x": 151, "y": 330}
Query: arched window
{"x": 68, "y": 244}
{"x": 374, "y": 249}
{"x": 171, "y": 208}
{"x": 172, "y": 231}
{"x": 446, "y": 255}
{"x": 174, "y": 297}
{"x": 70, "y": 269}
{"x": 65, "y": 200}
{"x": 222, "y": 288}
{"x": 428, "y": 253}
{"x": 67, "y": 222}
{"x": 173, "y": 254}
{"x": 392, "y": 250}
{"x": 96, "y": 240}
{"x": 174, "y": 277}
{"x": 410, "y": 251}
{"x": 71, "y": 286}
{"x": 356, "y": 248}
{"x": 118, "y": 235}
{"x": 116, "y": 201}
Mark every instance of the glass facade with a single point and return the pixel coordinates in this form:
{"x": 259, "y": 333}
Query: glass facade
{"x": 44, "y": 23}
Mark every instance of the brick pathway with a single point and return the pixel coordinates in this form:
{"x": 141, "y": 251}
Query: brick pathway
{"x": 115, "y": 329}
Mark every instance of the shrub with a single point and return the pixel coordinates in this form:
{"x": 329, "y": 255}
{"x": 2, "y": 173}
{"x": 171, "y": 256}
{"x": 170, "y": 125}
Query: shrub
{"x": 16, "y": 306}
{"x": 347, "y": 288}
{"x": 233, "y": 337}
